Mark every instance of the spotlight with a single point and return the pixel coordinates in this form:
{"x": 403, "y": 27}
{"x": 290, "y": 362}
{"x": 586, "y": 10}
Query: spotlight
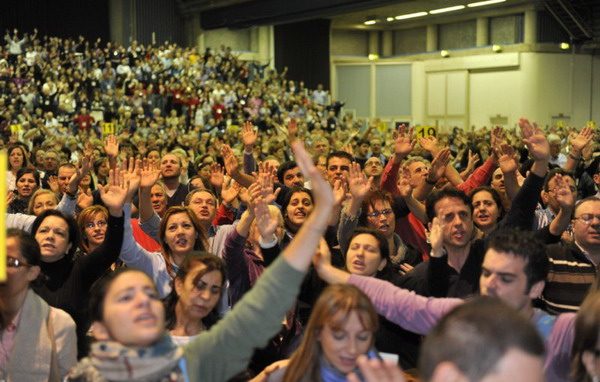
{"x": 444, "y": 53}
{"x": 496, "y": 48}
{"x": 565, "y": 45}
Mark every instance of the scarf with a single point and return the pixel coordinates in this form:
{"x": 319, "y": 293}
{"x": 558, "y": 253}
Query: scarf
{"x": 111, "y": 361}
{"x": 330, "y": 374}
{"x": 31, "y": 357}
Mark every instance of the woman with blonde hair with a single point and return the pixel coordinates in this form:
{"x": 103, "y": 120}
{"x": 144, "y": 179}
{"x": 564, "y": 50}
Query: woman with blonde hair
{"x": 92, "y": 222}
{"x": 341, "y": 328}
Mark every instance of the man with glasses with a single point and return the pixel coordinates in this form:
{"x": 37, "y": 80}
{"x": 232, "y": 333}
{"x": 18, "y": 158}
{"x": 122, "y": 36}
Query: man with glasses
{"x": 574, "y": 265}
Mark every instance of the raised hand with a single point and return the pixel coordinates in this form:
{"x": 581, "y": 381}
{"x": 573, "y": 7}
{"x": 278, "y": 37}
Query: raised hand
{"x": 403, "y": 144}
{"x": 85, "y": 198}
{"x": 217, "y": 175}
{"x": 339, "y": 193}
{"x": 438, "y": 165}
{"x": 430, "y": 144}
{"x": 536, "y": 141}
{"x": 473, "y": 159}
{"x": 249, "y": 135}
{"x": 358, "y": 184}
{"x": 132, "y": 176}
{"x": 507, "y": 159}
{"x": 582, "y": 139}
{"x": 436, "y": 237}
{"x": 230, "y": 191}
{"x": 115, "y": 192}
{"x": 403, "y": 186}
{"x": 53, "y": 184}
{"x": 292, "y": 129}
{"x": 264, "y": 221}
{"x": 562, "y": 191}
{"x": 83, "y": 169}
{"x": 232, "y": 165}
{"x": 150, "y": 173}
{"x": 111, "y": 146}
{"x": 266, "y": 183}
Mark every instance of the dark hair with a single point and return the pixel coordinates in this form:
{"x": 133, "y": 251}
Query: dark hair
{"x": 585, "y": 200}
{"x": 436, "y": 196}
{"x": 285, "y": 166}
{"x": 552, "y": 173}
{"x": 25, "y": 170}
{"x": 212, "y": 263}
{"x": 495, "y": 196}
{"x": 194, "y": 191}
{"x": 73, "y": 230}
{"x": 525, "y": 245}
{"x": 287, "y": 198}
{"x": 100, "y": 288}
{"x": 370, "y": 201}
{"x": 28, "y": 246}
{"x": 475, "y": 336}
{"x": 24, "y": 151}
{"x": 384, "y": 247}
{"x": 339, "y": 154}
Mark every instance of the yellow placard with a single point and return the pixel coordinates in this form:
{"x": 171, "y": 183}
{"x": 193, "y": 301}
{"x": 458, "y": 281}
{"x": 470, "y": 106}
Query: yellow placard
{"x": 3, "y": 164}
{"x": 591, "y": 124}
{"x": 108, "y": 128}
{"x": 425, "y": 131}
{"x": 16, "y": 128}
{"x": 560, "y": 123}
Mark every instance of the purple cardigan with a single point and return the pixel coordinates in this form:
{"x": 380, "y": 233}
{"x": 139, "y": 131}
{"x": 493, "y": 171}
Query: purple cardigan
{"x": 420, "y": 314}
{"x": 243, "y": 266}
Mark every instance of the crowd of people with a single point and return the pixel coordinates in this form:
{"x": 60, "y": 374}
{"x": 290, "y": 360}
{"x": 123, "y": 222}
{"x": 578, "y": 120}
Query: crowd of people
{"x": 178, "y": 216}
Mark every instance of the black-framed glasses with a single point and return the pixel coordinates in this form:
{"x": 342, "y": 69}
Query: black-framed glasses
{"x": 13, "y": 262}
{"x": 376, "y": 214}
{"x": 588, "y": 218}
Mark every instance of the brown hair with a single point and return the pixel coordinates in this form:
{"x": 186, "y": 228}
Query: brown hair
{"x": 201, "y": 241}
{"x": 587, "y": 330}
{"x": 37, "y": 193}
{"x": 86, "y": 216}
{"x": 332, "y": 308}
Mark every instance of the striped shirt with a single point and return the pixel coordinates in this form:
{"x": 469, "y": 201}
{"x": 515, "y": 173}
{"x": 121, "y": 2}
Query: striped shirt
{"x": 570, "y": 276}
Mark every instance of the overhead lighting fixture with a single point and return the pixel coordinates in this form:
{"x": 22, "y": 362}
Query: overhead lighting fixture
{"x": 482, "y": 3}
{"x": 373, "y": 57}
{"x": 410, "y": 15}
{"x": 444, "y": 53}
{"x": 496, "y": 48}
{"x": 390, "y": 19}
{"x": 370, "y": 21}
{"x": 448, "y": 9}
{"x": 564, "y": 45}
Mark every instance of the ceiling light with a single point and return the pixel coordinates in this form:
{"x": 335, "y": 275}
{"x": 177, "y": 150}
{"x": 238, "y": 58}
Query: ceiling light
{"x": 371, "y": 20}
{"x": 410, "y": 15}
{"x": 373, "y": 57}
{"x": 390, "y": 19}
{"x": 564, "y": 45}
{"x": 444, "y": 53}
{"x": 482, "y": 3}
{"x": 448, "y": 9}
{"x": 496, "y": 48}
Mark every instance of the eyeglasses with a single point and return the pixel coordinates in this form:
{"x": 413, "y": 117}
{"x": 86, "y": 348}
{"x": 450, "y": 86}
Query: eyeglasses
{"x": 99, "y": 224}
{"x": 588, "y": 218}
{"x": 376, "y": 214}
{"x": 12, "y": 262}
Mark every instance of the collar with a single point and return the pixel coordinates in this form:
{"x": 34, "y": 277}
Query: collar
{"x": 585, "y": 253}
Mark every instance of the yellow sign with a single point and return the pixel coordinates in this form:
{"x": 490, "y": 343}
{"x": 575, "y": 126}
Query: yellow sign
{"x": 3, "y": 164}
{"x": 591, "y": 124}
{"x": 425, "y": 131}
{"x": 108, "y": 128}
{"x": 560, "y": 123}
{"x": 16, "y": 128}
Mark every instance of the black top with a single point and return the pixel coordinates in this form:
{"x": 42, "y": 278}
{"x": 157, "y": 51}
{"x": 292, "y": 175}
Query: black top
{"x": 68, "y": 281}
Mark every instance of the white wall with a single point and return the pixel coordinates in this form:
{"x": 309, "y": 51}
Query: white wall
{"x": 533, "y": 85}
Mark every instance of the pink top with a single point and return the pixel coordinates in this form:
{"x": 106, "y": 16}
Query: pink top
{"x": 7, "y": 341}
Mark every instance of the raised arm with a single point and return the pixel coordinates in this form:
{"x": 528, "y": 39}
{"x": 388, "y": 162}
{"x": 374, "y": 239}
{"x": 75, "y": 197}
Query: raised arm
{"x": 578, "y": 143}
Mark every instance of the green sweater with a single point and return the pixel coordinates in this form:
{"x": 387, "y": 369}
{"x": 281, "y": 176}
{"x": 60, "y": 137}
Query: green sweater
{"x": 226, "y": 349}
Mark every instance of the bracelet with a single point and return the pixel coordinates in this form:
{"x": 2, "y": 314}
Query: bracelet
{"x": 431, "y": 182}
